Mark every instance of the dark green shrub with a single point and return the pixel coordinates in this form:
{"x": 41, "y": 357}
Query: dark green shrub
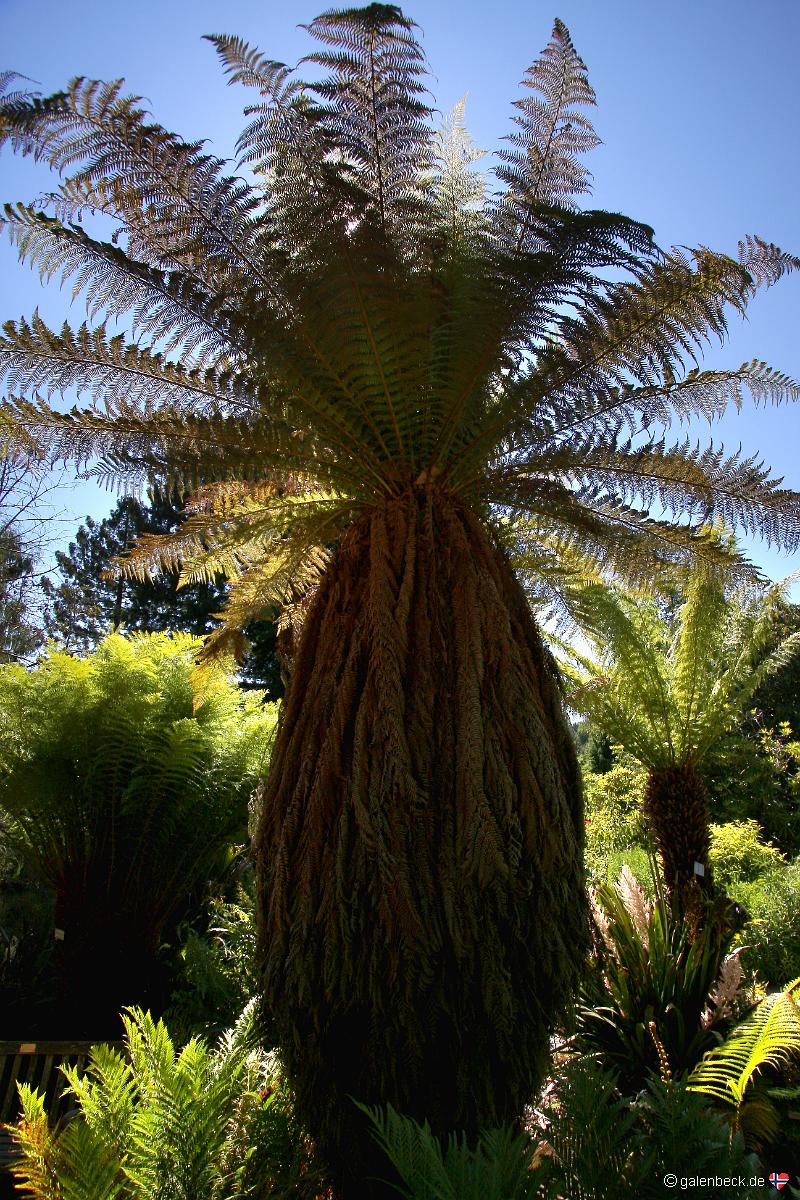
{"x": 125, "y": 779}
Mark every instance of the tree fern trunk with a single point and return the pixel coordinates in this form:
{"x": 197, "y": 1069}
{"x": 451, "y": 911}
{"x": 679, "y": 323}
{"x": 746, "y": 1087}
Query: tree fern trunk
{"x": 422, "y": 909}
{"x": 676, "y": 805}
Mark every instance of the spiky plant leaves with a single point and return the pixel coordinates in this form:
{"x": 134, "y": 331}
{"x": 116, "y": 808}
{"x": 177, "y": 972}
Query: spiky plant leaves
{"x": 363, "y": 341}
{"x": 644, "y": 1005}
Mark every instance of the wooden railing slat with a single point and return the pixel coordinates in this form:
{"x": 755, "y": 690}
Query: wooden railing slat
{"x": 11, "y": 1091}
{"x": 34, "y": 1063}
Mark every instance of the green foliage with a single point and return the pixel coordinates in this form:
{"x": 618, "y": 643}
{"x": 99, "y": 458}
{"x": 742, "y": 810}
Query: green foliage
{"x": 88, "y": 603}
{"x": 124, "y": 787}
{"x": 218, "y": 970}
{"x": 496, "y": 1168}
{"x": 155, "y": 1123}
{"x": 752, "y": 775}
{"x": 739, "y": 855}
{"x": 614, "y": 817}
{"x": 601, "y": 1146}
{"x": 772, "y": 937}
{"x": 653, "y": 995}
{"x": 769, "y": 1037}
{"x": 588, "y": 1131}
{"x": 594, "y": 1144}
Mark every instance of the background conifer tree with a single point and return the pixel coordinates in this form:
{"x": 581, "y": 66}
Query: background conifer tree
{"x": 86, "y": 604}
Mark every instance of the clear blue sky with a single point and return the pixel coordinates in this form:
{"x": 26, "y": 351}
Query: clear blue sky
{"x": 697, "y": 109}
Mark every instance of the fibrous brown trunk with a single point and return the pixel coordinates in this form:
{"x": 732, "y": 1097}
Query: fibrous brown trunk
{"x": 676, "y": 805}
{"x": 422, "y": 908}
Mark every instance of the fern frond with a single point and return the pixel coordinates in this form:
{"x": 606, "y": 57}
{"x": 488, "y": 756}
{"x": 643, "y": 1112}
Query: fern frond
{"x": 765, "y": 261}
{"x": 176, "y": 203}
{"x": 35, "y": 358}
{"x": 36, "y": 1168}
{"x": 457, "y": 190}
{"x": 543, "y": 167}
{"x": 266, "y": 524}
{"x": 370, "y": 108}
{"x": 702, "y": 484}
{"x": 7, "y": 96}
{"x": 769, "y": 1037}
{"x": 165, "y": 305}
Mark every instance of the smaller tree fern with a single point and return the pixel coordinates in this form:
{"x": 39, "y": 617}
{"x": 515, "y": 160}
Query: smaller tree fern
{"x": 666, "y": 682}
{"x": 124, "y": 787}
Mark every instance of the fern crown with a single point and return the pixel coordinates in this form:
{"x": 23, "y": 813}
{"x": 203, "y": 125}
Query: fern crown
{"x": 667, "y": 685}
{"x": 364, "y": 316}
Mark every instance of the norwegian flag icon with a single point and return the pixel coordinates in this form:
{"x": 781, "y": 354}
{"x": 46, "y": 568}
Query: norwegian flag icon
{"x": 779, "y": 1179}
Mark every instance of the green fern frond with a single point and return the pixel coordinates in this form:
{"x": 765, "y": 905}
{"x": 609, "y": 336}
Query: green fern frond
{"x": 496, "y": 1169}
{"x": 36, "y": 1169}
{"x": 34, "y": 357}
{"x": 769, "y": 1037}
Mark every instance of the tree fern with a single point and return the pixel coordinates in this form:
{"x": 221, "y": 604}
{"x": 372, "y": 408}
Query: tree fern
{"x": 669, "y": 689}
{"x": 125, "y": 784}
{"x": 378, "y": 378}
